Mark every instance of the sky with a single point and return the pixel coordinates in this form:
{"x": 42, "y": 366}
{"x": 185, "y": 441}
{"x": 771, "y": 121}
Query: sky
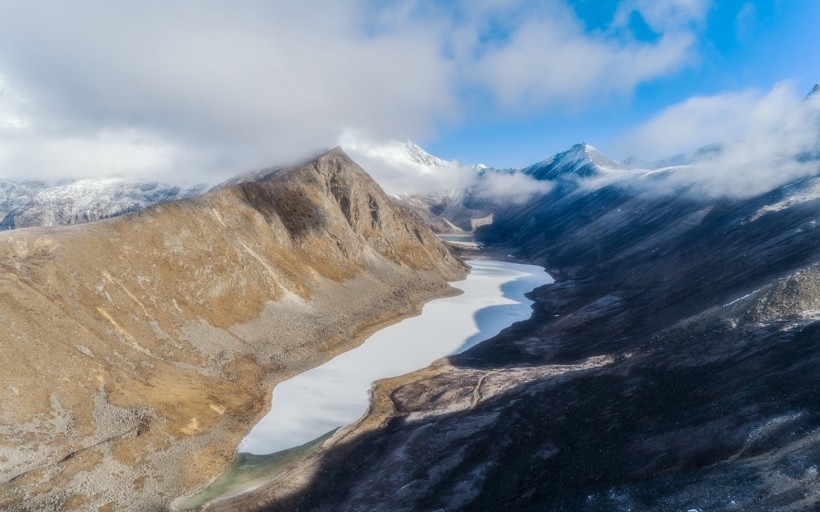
{"x": 197, "y": 91}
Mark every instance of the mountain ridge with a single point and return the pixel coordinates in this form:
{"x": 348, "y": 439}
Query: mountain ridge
{"x": 169, "y": 326}
{"x": 84, "y": 200}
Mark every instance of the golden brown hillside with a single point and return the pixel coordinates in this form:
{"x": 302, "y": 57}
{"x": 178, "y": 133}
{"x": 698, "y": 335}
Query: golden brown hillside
{"x": 137, "y": 351}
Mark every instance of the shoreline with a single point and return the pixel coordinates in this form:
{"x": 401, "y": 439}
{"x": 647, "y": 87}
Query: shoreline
{"x": 288, "y": 479}
{"x": 361, "y": 333}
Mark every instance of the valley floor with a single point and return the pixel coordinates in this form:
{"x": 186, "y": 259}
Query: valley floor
{"x": 325, "y": 398}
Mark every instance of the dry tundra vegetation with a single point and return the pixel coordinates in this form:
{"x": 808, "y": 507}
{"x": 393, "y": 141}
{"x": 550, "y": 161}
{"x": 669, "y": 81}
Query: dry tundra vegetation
{"x": 137, "y": 351}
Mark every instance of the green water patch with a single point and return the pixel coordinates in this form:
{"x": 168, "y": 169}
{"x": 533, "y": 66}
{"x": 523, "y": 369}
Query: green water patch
{"x": 248, "y": 471}
{"x": 458, "y": 237}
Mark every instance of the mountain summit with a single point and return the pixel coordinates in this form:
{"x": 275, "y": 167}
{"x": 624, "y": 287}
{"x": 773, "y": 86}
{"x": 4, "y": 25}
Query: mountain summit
{"x": 580, "y": 161}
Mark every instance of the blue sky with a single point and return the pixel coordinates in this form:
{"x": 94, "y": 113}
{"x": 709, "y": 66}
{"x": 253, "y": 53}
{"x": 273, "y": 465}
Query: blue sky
{"x": 740, "y": 46}
{"x": 199, "y": 91}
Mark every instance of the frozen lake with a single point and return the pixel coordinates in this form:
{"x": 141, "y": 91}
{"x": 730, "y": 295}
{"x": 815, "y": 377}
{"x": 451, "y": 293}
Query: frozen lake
{"x": 335, "y": 394}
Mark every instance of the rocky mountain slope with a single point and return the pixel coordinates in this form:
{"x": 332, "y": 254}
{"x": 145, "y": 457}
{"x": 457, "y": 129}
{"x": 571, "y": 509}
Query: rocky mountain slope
{"x": 580, "y": 161}
{"x": 138, "y": 350}
{"x": 31, "y": 204}
{"x": 14, "y": 195}
{"x": 670, "y": 367}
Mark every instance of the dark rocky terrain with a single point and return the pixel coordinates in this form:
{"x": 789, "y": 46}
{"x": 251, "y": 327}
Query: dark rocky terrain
{"x": 672, "y": 366}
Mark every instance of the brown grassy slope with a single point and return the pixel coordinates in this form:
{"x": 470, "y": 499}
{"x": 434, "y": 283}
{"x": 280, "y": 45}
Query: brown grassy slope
{"x": 137, "y": 351}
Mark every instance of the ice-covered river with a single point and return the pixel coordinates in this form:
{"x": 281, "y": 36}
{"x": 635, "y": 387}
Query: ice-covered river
{"x": 337, "y": 393}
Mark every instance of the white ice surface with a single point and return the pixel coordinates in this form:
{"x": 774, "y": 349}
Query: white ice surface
{"x": 337, "y": 393}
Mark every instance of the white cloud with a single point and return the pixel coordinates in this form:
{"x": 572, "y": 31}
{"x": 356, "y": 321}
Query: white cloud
{"x": 516, "y": 187}
{"x": 108, "y": 153}
{"x": 704, "y": 120}
{"x": 668, "y": 15}
{"x": 572, "y": 66}
{"x": 540, "y": 57}
{"x": 764, "y": 139}
{"x": 253, "y": 83}
{"x": 404, "y": 168}
{"x": 207, "y": 89}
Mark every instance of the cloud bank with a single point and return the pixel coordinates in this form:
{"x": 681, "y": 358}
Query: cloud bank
{"x": 198, "y": 91}
{"x": 402, "y": 167}
{"x": 760, "y": 140}
{"x": 405, "y": 168}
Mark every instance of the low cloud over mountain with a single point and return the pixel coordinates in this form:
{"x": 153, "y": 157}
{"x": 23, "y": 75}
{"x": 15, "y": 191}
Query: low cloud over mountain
{"x": 756, "y": 141}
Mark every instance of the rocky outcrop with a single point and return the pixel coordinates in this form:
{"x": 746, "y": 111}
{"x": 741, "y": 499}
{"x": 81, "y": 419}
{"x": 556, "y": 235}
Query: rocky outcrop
{"x": 138, "y": 350}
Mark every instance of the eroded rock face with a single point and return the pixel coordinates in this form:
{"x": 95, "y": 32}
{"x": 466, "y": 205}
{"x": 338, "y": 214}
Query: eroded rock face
{"x": 137, "y": 351}
{"x": 670, "y": 367}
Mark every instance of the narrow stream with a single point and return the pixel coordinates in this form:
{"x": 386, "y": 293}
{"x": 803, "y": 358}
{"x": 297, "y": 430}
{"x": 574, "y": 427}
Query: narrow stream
{"x": 315, "y": 403}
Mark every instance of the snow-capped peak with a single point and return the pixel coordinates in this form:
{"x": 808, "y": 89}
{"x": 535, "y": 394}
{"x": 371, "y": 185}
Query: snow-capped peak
{"x": 405, "y": 155}
{"x": 416, "y": 153}
{"x": 580, "y": 161}
{"x": 403, "y": 167}
{"x": 812, "y": 101}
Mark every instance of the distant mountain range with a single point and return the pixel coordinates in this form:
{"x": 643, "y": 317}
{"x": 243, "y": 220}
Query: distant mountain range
{"x": 463, "y": 198}
{"x": 455, "y": 196}
{"x": 28, "y": 204}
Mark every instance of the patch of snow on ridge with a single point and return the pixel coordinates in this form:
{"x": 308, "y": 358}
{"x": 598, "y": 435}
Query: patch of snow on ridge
{"x": 810, "y": 193}
{"x": 740, "y": 298}
{"x": 15, "y": 195}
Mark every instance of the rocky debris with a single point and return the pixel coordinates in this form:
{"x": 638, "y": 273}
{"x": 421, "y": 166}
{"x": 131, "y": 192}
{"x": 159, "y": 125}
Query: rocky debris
{"x": 140, "y": 349}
